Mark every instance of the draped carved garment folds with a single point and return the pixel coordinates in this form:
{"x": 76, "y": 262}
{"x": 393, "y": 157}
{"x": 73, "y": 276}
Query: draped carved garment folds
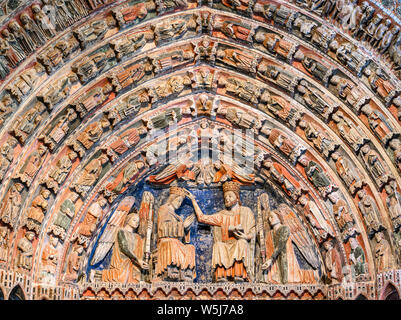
{"x": 171, "y": 249}
{"x": 227, "y": 250}
{"x": 285, "y": 267}
{"x": 122, "y": 268}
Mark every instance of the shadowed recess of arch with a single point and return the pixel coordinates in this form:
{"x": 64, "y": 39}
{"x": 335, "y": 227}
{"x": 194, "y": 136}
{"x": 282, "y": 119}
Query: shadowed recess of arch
{"x": 16, "y": 294}
{"x": 390, "y": 293}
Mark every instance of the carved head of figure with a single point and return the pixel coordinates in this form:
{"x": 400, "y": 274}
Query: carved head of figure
{"x": 328, "y": 245}
{"x": 5, "y": 33}
{"x": 333, "y": 197}
{"x": 274, "y": 218}
{"x": 365, "y": 149}
{"x": 42, "y": 149}
{"x": 132, "y": 220}
{"x": 395, "y": 144}
{"x": 302, "y": 87}
{"x": 364, "y": 5}
{"x": 395, "y": 30}
{"x": 231, "y": 193}
{"x": 268, "y": 163}
{"x": 24, "y": 18}
{"x": 299, "y": 55}
{"x": 102, "y": 201}
{"x": 260, "y": 36}
{"x": 303, "y": 200}
{"x": 334, "y": 45}
{"x": 176, "y": 83}
{"x": 379, "y": 237}
{"x": 335, "y": 156}
{"x": 353, "y": 243}
{"x": 361, "y": 194}
{"x": 389, "y": 188}
{"x": 3, "y": 233}
{"x": 176, "y": 197}
{"x": 30, "y": 236}
{"x": 18, "y": 187}
{"x": 72, "y": 155}
{"x": 304, "y": 161}
{"x": 45, "y": 193}
{"x": 53, "y": 240}
{"x": 35, "y": 8}
{"x": 14, "y": 26}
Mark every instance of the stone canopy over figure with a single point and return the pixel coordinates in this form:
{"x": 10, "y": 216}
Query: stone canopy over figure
{"x": 233, "y": 236}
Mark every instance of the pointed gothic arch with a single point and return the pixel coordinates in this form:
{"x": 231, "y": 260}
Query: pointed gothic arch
{"x": 17, "y": 293}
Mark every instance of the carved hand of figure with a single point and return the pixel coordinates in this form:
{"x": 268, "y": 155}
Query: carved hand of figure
{"x": 189, "y": 220}
{"x": 144, "y": 265}
{"x": 267, "y": 264}
{"x": 189, "y": 195}
{"x": 240, "y": 234}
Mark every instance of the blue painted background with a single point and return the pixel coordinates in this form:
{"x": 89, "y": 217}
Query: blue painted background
{"x": 210, "y": 201}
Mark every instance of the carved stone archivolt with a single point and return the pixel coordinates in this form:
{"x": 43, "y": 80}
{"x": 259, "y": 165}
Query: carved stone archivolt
{"x": 224, "y": 148}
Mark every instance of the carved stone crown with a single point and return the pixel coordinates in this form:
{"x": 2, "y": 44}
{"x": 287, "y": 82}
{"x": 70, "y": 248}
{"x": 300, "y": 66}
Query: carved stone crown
{"x": 231, "y": 186}
{"x": 177, "y": 190}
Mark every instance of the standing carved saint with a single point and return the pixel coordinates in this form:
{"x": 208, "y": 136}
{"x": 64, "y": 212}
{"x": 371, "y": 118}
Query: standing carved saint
{"x": 234, "y": 233}
{"x": 342, "y": 215}
{"x": 357, "y": 257}
{"x": 25, "y": 251}
{"x": 74, "y": 263}
{"x": 90, "y": 175}
{"x": 382, "y": 252}
{"x": 32, "y": 165}
{"x": 6, "y": 155}
{"x": 375, "y": 166}
{"x": 37, "y": 211}
{"x": 349, "y": 131}
{"x": 89, "y": 223}
{"x": 393, "y": 203}
{"x": 50, "y": 259}
{"x": 333, "y": 262}
{"x": 4, "y": 234}
{"x": 11, "y": 204}
{"x": 59, "y": 173}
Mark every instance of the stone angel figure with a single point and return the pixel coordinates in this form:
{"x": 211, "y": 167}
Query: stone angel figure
{"x": 128, "y": 234}
{"x": 284, "y": 242}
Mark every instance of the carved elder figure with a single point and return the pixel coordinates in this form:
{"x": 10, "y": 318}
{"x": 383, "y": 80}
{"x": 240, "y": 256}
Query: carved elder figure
{"x": 333, "y": 262}
{"x": 233, "y": 236}
{"x": 382, "y": 252}
{"x": 25, "y": 251}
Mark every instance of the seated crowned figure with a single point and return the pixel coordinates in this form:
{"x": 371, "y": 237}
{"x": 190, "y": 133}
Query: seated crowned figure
{"x": 233, "y": 234}
{"x": 175, "y": 257}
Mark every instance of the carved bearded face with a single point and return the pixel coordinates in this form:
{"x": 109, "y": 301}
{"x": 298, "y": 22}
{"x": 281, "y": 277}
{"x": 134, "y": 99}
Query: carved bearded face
{"x": 230, "y": 199}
